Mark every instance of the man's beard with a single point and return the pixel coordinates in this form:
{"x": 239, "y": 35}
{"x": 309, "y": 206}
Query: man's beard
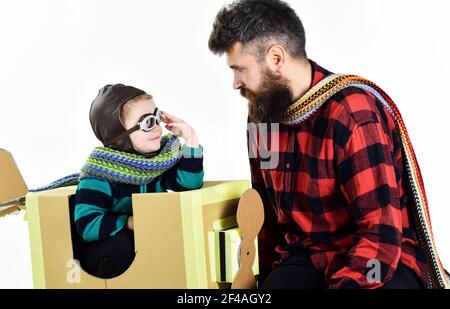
{"x": 269, "y": 105}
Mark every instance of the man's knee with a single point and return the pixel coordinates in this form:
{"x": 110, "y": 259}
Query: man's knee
{"x": 296, "y": 272}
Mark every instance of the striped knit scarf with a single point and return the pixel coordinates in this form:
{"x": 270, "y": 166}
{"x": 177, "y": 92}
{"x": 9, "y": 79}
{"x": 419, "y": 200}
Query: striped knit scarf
{"x": 123, "y": 167}
{"x": 310, "y": 102}
{"x": 128, "y": 168}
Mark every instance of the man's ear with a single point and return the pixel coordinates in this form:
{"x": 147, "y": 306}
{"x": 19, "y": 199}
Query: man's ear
{"x": 276, "y": 57}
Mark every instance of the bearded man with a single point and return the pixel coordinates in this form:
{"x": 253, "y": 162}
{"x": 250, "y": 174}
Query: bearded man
{"x": 344, "y": 202}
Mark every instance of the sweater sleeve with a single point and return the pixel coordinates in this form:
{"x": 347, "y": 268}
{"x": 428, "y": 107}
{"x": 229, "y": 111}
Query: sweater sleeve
{"x": 187, "y": 174}
{"x": 93, "y": 202}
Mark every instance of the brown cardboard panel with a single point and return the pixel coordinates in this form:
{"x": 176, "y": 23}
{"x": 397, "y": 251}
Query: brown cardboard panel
{"x": 159, "y": 241}
{"x": 12, "y": 184}
{"x": 51, "y": 242}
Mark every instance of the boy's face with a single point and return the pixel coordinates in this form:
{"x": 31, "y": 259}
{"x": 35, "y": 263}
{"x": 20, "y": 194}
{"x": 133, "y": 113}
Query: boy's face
{"x": 143, "y": 142}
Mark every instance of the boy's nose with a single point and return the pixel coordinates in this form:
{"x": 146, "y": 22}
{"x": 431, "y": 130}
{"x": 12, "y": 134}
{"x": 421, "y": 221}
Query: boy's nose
{"x": 156, "y": 129}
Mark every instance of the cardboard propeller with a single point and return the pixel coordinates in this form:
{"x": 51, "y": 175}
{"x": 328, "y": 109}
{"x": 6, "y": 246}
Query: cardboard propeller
{"x": 250, "y": 218}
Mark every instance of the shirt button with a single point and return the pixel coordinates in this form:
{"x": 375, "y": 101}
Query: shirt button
{"x": 288, "y": 165}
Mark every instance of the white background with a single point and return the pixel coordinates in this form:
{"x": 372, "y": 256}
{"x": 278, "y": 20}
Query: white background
{"x": 55, "y": 55}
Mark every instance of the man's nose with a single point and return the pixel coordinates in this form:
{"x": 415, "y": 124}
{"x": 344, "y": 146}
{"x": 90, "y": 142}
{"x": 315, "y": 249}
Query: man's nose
{"x": 237, "y": 83}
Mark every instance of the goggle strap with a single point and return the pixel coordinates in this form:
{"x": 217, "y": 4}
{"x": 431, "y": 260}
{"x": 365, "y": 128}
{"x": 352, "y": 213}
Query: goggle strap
{"x": 122, "y": 135}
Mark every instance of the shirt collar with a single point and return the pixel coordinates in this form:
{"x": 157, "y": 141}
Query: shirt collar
{"x": 317, "y": 73}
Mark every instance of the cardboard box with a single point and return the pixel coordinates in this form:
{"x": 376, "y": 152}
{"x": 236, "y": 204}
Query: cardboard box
{"x": 171, "y": 238}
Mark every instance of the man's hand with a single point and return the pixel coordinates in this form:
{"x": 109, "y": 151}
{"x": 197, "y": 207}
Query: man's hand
{"x": 181, "y": 129}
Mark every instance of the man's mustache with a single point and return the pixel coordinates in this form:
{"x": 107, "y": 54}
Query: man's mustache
{"x": 249, "y": 95}
{"x": 243, "y": 92}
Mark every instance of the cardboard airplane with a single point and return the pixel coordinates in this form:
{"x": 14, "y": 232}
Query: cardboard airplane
{"x": 203, "y": 238}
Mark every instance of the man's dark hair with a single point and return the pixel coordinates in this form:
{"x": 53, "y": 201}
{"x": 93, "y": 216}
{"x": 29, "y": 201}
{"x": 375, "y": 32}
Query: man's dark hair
{"x": 259, "y": 22}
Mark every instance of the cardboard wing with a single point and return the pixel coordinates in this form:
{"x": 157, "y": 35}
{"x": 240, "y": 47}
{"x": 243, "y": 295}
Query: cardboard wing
{"x": 12, "y": 185}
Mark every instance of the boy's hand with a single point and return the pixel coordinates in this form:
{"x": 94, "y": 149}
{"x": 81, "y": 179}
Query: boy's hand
{"x": 130, "y": 224}
{"x": 181, "y": 129}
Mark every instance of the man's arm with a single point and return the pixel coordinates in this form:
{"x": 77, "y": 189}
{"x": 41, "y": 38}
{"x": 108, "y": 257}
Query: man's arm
{"x": 367, "y": 179}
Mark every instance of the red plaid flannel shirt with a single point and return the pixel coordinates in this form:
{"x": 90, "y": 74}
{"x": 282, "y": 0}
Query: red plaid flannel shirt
{"x": 339, "y": 192}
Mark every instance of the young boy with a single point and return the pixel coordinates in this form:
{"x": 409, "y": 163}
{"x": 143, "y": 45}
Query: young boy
{"x": 136, "y": 158}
